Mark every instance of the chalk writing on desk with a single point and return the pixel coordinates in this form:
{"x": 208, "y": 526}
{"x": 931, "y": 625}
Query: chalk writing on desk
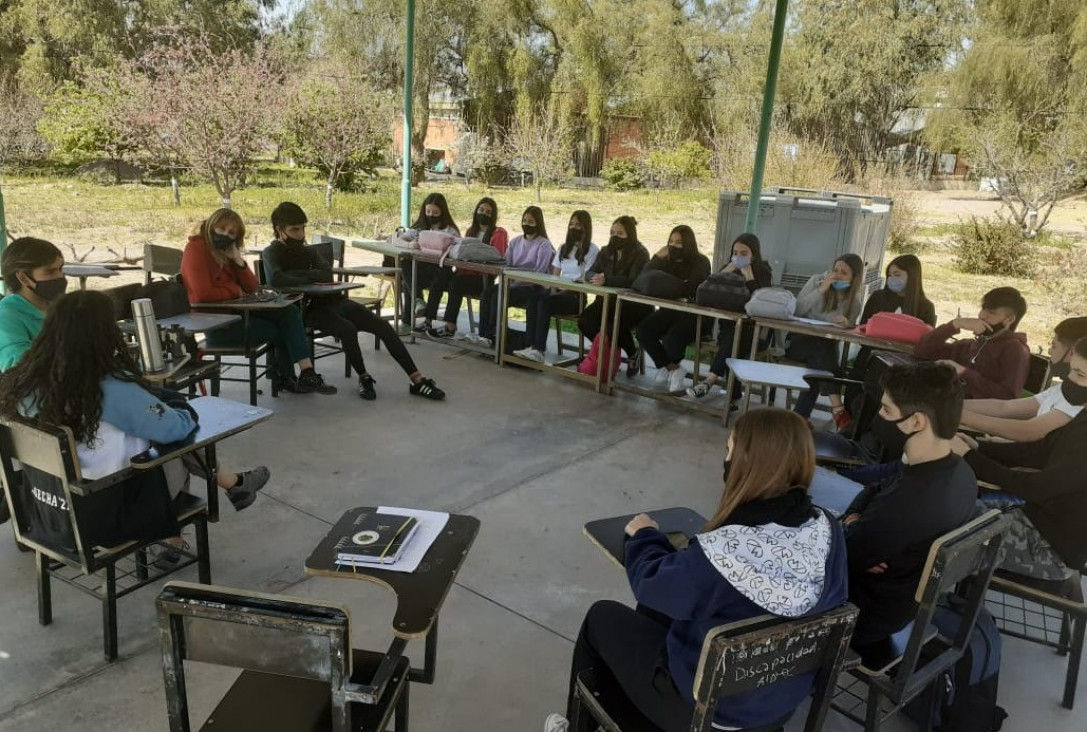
{"x": 763, "y": 662}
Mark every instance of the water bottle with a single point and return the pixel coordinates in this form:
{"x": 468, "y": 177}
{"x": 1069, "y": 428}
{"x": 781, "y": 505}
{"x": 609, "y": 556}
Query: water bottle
{"x": 147, "y": 335}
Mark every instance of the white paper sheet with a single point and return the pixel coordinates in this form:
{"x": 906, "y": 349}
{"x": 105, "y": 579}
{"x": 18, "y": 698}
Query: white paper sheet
{"x": 431, "y": 524}
{"x": 810, "y": 321}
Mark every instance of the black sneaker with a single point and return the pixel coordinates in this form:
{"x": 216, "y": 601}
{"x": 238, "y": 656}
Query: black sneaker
{"x": 366, "y": 388}
{"x": 440, "y": 332}
{"x": 634, "y": 363}
{"x": 290, "y": 384}
{"x": 241, "y": 496}
{"x": 311, "y": 381}
{"x": 427, "y": 388}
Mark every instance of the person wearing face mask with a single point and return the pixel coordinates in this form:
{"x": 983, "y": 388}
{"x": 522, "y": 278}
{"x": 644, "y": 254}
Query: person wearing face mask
{"x": 834, "y": 297}
{"x": 903, "y": 291}
{"x": 433, "y": 216}
{"x": 618, "y": 265}
{"x": 891, "y": 523}
{"x": 994, "y": 363}
{"x": 1033, "y": 417}
{"x": 1046, "y": 540}
{"x": 464, "y": 282}
{"x": 572, "y": 262}
{"x": 33, "y": 272}
{"x": 665, "y": 334}
{"x": 747, "y": 261}
{"x": 531, "y": 251}
{"x": 288, "y": 261}
{"x": 213, "y": 269}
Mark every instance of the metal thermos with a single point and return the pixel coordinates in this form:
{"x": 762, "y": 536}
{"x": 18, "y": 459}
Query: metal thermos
{"x": 147, "y": 335}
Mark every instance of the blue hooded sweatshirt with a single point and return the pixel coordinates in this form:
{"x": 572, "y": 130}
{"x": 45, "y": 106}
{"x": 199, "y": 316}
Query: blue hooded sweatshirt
{"x": 736, "y": 572}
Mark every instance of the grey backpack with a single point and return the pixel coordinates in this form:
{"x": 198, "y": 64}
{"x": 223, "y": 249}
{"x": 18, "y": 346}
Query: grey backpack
{"x": 472, "y": 249}
{"x": 771, "y": 302}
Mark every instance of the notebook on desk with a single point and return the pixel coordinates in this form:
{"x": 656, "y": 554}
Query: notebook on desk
{"x": 373, "y": 538}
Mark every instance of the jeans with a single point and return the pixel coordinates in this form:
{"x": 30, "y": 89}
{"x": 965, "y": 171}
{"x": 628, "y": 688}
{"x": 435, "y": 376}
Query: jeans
{"x": 461, "y": 287}
{"x": 282, "y": 328}
{"x": 344, "y": 318}
{"x": 815, "y": 353}
{"x": 540, "y": 309}
{"x": 520, "y": 296}
{"x": 725, "y": 334}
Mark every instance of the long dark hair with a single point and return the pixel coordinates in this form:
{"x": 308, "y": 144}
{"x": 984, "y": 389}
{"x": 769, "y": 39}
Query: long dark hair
{"x": 690, "y": 245}
{"x": 586, "y": 222}
{"x": 79, "y": 345}
{"x": 438, "y": 200}
{"x": 537, "y": 213}
{"x": 832, "y": 297}
{"x": 914, "y": 294}
{"x": 473, "y": 228}
{"x": 772, "y": 452}
{"x": 750, "y": 241}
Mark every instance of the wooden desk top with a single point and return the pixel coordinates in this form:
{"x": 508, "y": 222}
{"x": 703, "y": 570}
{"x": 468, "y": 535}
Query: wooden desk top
{"x": 382, "y": 247}
{"x": 834, "y": 332}
{"x": 365, "y": 270}
{"x": 608, "y": 534}
{"x": 89, "y": 270}
{"x": 219, "y": 418}
{"x": 419, "y": 594}
{"x": 487, "y": 268}
{"x": 773, "y": 374}
{"x": 561, "y": 283}
{"x": 681, "y": 306}
{"x": 321, "y": 288}
{"x": 242, "y": 303}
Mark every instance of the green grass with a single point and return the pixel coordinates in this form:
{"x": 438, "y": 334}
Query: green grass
{"x": 71, "y": 211}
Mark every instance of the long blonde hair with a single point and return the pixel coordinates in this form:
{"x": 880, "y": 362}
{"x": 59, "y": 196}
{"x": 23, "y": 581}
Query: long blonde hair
{"x": 772, "y": 452}
{"x": 221, "y": 217}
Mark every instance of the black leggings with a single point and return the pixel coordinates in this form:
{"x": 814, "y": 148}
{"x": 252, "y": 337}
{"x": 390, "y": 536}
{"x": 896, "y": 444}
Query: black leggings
{"x": 630, "y": 646}
{"x": 633, "y": 312}
{"x": 665, "y": 335}
{"x": 344, "y": 318}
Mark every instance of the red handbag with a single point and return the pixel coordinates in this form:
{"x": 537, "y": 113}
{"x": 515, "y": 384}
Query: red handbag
{"x": 895, "y": 327}
{"x": 589, "y": 365}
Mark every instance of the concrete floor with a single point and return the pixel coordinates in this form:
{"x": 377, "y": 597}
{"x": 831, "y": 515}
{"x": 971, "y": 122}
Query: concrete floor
{"x": 532, "y": 456}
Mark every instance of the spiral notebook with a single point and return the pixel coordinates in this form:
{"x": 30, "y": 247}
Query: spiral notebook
{"x": 374, "y": 538}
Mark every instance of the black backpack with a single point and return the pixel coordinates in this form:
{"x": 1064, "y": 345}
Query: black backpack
{"x": 724, "y": 291}
{"x": 963, "y": 698}
{"x": 168, "y": 297}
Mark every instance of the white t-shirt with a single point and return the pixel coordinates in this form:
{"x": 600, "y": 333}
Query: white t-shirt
{"x": 569, "y": 269}
{"x": 1051, "y": 399}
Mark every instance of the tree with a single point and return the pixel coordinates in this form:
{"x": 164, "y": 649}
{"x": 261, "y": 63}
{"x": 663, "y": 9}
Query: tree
{"x": 20, "y": 113}
{"x": 81, "y": 125}
{"x": 1016, "y": 102}
{"x": 539, "y": 140}
{"x": 338, "y": 124}
{"x": 481, "y": 156}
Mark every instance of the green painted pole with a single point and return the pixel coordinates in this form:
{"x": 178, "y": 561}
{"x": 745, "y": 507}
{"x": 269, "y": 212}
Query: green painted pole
{"x": 409, "y": 82}
{"x": 769, "y": 90}
{"x": 3, "y": 236}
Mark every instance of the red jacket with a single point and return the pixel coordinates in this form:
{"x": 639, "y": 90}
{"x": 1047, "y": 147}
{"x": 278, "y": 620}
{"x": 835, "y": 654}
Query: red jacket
{"x": 206, "y": 281}
{"x": 996, "y": 368}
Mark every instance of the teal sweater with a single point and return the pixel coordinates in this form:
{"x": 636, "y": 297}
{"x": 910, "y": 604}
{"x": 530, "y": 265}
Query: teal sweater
{"x": 20, "y": 323}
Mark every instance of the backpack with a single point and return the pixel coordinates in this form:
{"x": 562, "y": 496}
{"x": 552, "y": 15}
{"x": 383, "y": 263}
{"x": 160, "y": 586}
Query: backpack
{"x": 771, "y": 302}
{"x": 435, "y": 242}
{"x": 600, "y": 351}
{"x": 472, "y": 249}
{"x": 724, "y": 291}
{"x": 963, "y": 698}
{"x": 168, "y": 298}
{"x": 658, "y": 283}
{"x": 895, "y": 327}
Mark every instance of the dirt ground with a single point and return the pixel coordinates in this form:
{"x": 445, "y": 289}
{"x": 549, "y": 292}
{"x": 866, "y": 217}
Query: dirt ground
{"x": 1069, "y": 217}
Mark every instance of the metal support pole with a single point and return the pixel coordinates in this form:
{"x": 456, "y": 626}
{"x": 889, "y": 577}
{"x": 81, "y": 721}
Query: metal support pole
{"x": 409, "y": 83}
{"x": 3, "y": 236}
{"x": 769, "y": 90}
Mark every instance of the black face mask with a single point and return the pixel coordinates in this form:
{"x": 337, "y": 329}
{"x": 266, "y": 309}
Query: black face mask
{"x": 888, "y": 434}
{"x": 529, "y": 229}
{"x": 675, "y": 254}
{"x": 1060, "y": 370}
{"x": 483, "y": 220}
{"x": 726, "y": 467}
{"x": 291, "y": 242}
{"x": 222, "y": 241}
{"x": 50, "y": 290}
{"x": 618, "y": 242}
{"x": 1074, "y": 393}
{"x": 433, "y": 220}
{"x": 573, "y": 236}
{"x": 994, "y": 329}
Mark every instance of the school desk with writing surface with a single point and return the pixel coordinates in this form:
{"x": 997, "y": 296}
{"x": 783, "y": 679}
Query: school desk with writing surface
{"x": 702, "y": 315}
{"x": 397, "y": 254}
{"x": 419, "y": 594}
{"x": 609, "y": 535}
{"x": 829, "y": 331}
{"x": 562, "y": 367}
{"x": 218, "y": 419}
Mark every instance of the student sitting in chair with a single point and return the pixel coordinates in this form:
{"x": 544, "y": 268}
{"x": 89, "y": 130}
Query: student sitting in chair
{"x": 79, "y": 374}
{"x": 1032, "y": 418}
{"x": 721, "y": 577}
{"x": 32, "y": 272}
{"x": 1047, "y": 539}
{"x": 433, "y": 216}
{"x": 288, "y": 261}
{"x": 214, "y": 270}
{"x": 891, "y": 524}
{"x": 993, "y": 364}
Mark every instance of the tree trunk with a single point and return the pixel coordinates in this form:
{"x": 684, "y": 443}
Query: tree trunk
{"x": 328, "y": 194}
{"x": 176, "y": 188}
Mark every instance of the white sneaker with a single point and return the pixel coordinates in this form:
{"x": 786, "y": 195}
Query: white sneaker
{"x": 533, "y": 355}
{"x": 676, "y": 379}
{"x": 662, "y": 376}
{"x": 555, "y": 722}
{"x": 420, "y": 306}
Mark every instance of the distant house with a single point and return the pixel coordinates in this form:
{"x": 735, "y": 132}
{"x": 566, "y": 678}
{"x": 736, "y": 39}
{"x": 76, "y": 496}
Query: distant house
{"x": 911, "y": 155}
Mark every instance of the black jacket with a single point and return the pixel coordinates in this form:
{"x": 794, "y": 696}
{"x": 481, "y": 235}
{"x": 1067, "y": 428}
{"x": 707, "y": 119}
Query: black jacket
{"x": 885, "y": 301}
{"x": 620, "y": 266}
{"x": 900, "y": 517}
{"x": 1055, "y": 495}
{"x": 288, "y": 265}
{"x": 764, "y": 276}
{"x": 692, "y": 271}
